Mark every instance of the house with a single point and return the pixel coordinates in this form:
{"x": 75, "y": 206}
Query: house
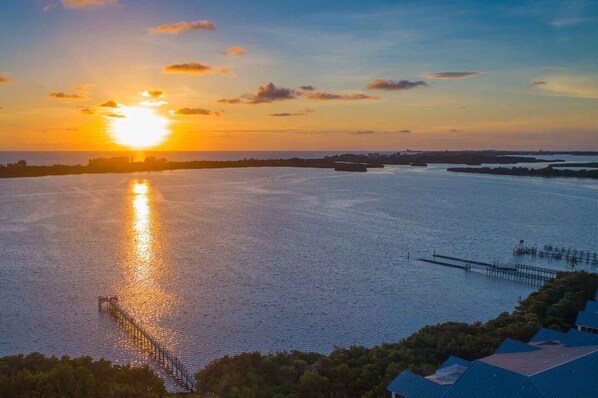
{"x": 551, "y": 365}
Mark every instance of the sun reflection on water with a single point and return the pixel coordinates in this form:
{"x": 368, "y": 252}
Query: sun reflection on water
{"x": 142, "y": 232}
{"x": 144, "y": 275}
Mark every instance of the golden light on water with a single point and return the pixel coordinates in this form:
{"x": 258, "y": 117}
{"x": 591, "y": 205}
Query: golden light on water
{"x": 137, "y": 127}
{"x": 142, "y": 232}
{"x": 142, "y": 286}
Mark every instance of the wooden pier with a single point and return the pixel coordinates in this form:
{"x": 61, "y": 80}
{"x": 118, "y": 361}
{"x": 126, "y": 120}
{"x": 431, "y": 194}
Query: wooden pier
{"x": 523, "y": 273}
{"x": 518, "y": 273}
{"x": 166, "y": 359}
{"x": 573, "y": 257}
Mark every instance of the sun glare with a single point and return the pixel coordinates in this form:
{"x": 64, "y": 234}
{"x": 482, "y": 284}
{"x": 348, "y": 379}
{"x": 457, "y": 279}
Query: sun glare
{"x": 137, "y": 127}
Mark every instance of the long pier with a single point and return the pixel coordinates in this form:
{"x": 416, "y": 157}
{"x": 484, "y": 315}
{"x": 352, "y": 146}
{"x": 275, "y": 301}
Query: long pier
{"x": 523, "y": 273}
{"x": 518, "y": 273}
{"x": 166, "y": 359}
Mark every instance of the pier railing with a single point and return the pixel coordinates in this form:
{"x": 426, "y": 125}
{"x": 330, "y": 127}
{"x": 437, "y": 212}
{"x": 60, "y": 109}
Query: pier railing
{"x": 518, "y": 273}
{"x": 571, "y": 256}
{"x": 166, "y": 359}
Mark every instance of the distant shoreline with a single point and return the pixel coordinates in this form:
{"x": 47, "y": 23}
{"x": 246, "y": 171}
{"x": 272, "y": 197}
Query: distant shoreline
{"x": 124, "y": 164}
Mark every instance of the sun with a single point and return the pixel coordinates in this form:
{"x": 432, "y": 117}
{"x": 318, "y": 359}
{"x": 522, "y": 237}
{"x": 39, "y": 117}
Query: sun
{"x": 137, "y": 127}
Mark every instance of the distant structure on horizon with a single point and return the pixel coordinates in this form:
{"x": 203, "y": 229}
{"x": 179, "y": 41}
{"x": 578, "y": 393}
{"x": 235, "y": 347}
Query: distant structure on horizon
{"x": 552, "y": 365}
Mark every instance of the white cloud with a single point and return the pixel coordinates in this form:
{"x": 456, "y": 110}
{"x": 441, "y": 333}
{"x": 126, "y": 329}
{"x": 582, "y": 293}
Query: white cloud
{"x": 569, "y": 86}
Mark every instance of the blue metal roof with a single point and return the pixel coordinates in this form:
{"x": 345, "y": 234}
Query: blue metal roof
{"x": 484, "y": 380}
{"x": 587, "y": 319}
{"x": 510, "y": 346}
{"x": 573, "y": 379}
{"x": 577, "y": 338}
{"x": 576, "y": 377}
{"x": 410, "y": 385}
{"x": 453, "y": 360}
{"x": 573, "y": 337}
{"x": 592, "y": 306}
{"x": 547, "y": 335}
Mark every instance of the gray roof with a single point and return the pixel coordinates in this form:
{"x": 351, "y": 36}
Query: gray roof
{"x": 541, "y": 360}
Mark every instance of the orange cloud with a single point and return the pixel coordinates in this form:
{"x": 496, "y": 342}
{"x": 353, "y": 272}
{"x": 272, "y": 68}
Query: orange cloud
{"x": 194, "y": 68}
{"x": 320, "y": 96}
{"x": 194, "y": 112}
{"x": 153, "y": 93}
{"x": 61, "y": 95}
{"x": 235, "y": 50}
{"x": 230, "y": 100}
{"x": 182, "y": 26}
{"x": 286, "y": 114}
{"x": 4, "y": 79}
{"x": 109, "y": 104}
{"x": 87, "y": 3}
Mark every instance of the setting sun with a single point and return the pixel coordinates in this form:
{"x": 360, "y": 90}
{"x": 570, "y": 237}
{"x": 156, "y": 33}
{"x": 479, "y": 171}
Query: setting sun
{"x": 137, "y": 127}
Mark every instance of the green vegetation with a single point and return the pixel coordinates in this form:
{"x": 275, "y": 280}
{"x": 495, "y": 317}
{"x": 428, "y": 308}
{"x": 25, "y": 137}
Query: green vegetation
{"x": 346, "y": 372}
{"x": 36, "y": 375}
{"x": 364, "y": 372}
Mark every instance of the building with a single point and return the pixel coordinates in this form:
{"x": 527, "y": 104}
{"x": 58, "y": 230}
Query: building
{"x": 552, "y": 365}
{"x": 587, "y": 320}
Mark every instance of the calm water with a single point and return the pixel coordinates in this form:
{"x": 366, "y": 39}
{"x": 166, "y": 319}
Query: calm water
{"x": 218, "y": 262}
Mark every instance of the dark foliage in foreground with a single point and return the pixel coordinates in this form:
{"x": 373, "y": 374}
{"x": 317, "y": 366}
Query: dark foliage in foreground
{"x": 36, "y": 375}
{"x": 364, "y": 372}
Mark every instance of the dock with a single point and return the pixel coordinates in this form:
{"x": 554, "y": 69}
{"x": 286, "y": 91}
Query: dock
{"x": 518, "y": 273}
{"x": 572, "y": 256}
{"x": 164, "y": 357}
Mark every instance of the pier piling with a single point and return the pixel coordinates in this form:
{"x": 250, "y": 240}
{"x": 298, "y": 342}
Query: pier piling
{"x": 168, "y": 361}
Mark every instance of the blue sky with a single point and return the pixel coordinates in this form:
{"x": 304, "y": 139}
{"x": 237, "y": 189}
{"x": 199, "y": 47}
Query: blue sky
{"x": 337, "y": 47}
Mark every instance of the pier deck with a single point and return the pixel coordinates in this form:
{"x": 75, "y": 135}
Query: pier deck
{"x": 166, "y": 359}
{"x": 518, "y": 273}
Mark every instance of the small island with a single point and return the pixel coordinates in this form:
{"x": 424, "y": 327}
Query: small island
{"x": 527, "y": 172}
{"x": 359, "y": 167}
{"x": 590, "y": 165}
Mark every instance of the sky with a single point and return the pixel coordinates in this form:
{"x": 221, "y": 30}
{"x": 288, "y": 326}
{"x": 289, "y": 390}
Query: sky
{"x": 298, "y": 75}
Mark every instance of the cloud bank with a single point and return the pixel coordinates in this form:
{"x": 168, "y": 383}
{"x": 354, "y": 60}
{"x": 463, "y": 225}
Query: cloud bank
{"x": 87, "y": 3}
{"x": 235, "y": 50}
{"x": 153, "y": 93}
{"x": 264, "y": 94}
{"x": 194, "y": 112}
{"x": 569, "y": 86}
{"x": 183, "y": 26}
{"x": 450, "y": 75}
{"x": 109, "y": 104}
{"x": 286, "y": 114}
{"x": 391, "y": 85}
{"x": 322, "y": 96}
{"x": 61, "y": 95}
{"x": 194, "y": 68}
